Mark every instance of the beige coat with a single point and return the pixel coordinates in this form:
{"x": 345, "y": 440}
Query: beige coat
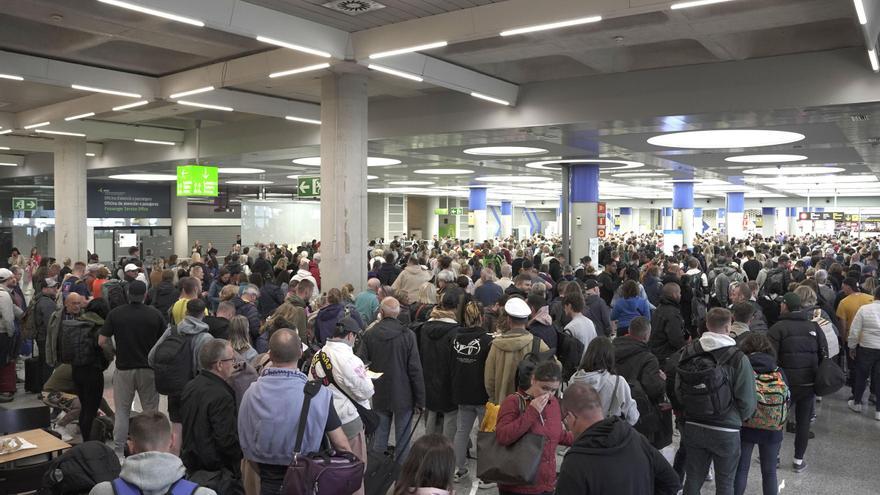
{"x": 410, "y": 280}
{"x": 504, "y": 356}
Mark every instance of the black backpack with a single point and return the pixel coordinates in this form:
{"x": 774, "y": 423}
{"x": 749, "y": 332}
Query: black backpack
{"x": 79, "y": 469}
{"x": 79, "y": 343}
{"x": 569, "y": 351}
{"x": 173, "y": 363}
{"x": 704, "y": 382}
{"x": 530, "y": 361}
{"x": 721, "y": 289}
{"x": 115, "y": 292}
{"x": 775, "y": 282}
{"x": 694, "y": 284}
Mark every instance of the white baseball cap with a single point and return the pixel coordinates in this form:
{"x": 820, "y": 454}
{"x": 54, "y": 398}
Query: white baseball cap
{"x": 5, "y": 274}
{"x": 517, "y": 308}
{"x": 131, "y": 267}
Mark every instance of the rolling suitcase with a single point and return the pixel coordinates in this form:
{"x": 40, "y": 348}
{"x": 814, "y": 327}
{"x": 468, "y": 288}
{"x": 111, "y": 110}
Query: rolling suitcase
{"x": 33, "y": 375}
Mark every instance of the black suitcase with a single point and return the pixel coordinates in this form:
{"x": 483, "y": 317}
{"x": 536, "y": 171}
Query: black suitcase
{"x": 33, "y": 375}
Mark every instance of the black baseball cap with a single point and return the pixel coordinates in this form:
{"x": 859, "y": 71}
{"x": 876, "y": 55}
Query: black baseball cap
{"x": 591, "y": 284}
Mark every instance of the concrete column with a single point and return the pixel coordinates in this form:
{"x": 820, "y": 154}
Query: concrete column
{"x": 791, "y": 219}
{"x": 666, "y": 218}
{"x": 768, "y": 215}
{"x": 506, "y": 218}
{"x": 477, "y": 205}
{"x": 698, "y": 220}
{"x": 179, "y": 228}
{"x": 343, "y": 180}
{"x": 584, "y": 207}
{"x": 432, "y": 220}
{"x": 70, "y": 199}
{"x": 683, "y": 204}
{"x": 735, "y": 209}
{"x": 626, "y": 220}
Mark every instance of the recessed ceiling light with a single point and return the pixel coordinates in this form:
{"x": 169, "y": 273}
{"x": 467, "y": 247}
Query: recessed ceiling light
{"x": 489, "y": 98}
{"x": 10, "y": 76}
{"x": 157, "y": 13}
{"x": 725, "y": 138}
{"x": 604, "y": 163}
{"x": 401, "y": 51}
{"x": 105, "y": 91}
{"x": 695, "y": 3}
{"x": 505, "y": 151}
{"x": 638, "y": 175}
{"x": 303, "y": 120}
{"x": 300, "y": 70}
{"x": 311, "y": 161}
{"x": 240, "y": 170}
{"x": 411, "y": 183}
{"x": 205, "y": 105}
{"x": 513, "y": 178}
{"x": 130, "y": 105}
{"x": 250, "y": 182}
{"x": 153, "y": 141}
{"x": 372, "y": 161}
{"x": 192, "y": 92}
{"x": 61, "y": 133}
{"x": 293, "y": 46}
{"x": 371, "y": 177}
{"x": 90, "y": 155}
{"x": 552, "y": 25}
{"x": 34, "y": 126}
{"x": 443, "y": 171}
{"x": 80, "y": 116}
{"x": 145, "y": 177}
{"x": 793, "y": 170}
{"x": 778, "y": 158}
{"x": 394, "y": 72}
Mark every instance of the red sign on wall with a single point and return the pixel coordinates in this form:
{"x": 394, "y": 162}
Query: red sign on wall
{"x": 600, "y": 208}
{"x": 600, "y": 232}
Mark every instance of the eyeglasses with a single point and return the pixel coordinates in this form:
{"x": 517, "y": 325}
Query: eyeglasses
{"x": 226, "y": 360}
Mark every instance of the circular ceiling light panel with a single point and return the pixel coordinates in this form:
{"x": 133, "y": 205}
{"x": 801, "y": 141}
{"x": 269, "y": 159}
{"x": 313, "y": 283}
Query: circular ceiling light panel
{"x": 638, "y": 175}
{"x": 443, "y": 171}
{"x": 511, "y": 179}
{"x": 725, "y": 138}
{"x": 411, "y": 183}
{"x": 144, "y": 177}
{"x": 793, "y": 170}
{"x": 240, "y": 170}
{"x": 604, "y": 164}
{"x": 372, "y": 161}
{"x": 250, "y": 182}
{"x": 777, "y": 158}
{"x": 505, "y": 151}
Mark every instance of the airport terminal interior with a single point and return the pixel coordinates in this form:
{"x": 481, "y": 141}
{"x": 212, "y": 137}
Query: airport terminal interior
{"x": 441, "y": 157}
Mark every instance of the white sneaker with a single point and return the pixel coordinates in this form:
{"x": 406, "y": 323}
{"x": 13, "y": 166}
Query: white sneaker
{"x": 65, "y": 431}
{"x": 853, "y": 406}
{"x": 485, "y": 486}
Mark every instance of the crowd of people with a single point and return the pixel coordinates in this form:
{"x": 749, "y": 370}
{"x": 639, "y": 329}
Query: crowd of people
{"x": 607, "y": 360}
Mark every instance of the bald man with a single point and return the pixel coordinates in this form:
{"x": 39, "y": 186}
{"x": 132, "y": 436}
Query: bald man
{"x": 73, "y": 306}
{"x": 608, "y": 455}
{"x": 390, "y": 348}
{"x": 367, "y": 302}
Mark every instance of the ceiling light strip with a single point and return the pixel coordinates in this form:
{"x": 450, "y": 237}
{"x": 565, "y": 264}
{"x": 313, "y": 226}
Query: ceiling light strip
{"x": 192, "y": 92}
{"x": 308, "y": 68}
{"x": 80, "y": 116}
{"x": 7, "y": 131}
{"x": 153, "y": 141}
{"x": 7, "y": 164}
{"x": 130, "y": 105}
{"x": 395, "y": 72}
{"x": 860, "y": 12}
{"x": 10, "y": 76}
{"x": 872, "y": 57}
{"x": 205, "y": 105}
{"x": 303, "y": 120}
{"x": 105, "y": 91}
{"x": 157, "y": 13}
{"x": 417, "y": 48}
{"x": 34, "y": 126}
{"x": 61, "y": 133}
{"x": 696, "y": 3}
{"x": 552, "y": 25}
{"x": 490, "y": 98}
{"x": 4, "y": 148}
{"x": 292, "y": 46}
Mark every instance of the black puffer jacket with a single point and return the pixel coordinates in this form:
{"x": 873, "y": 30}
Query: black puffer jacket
{"x": 387, "y": 273}
{"x": 799, "y": 345}
{"x": 210, "y": 427}
{"x": 634, "y": 361}
{"x": 391, "y": 349}
{"x": 163, "y": 296}
{"x": 668, "y": 334}
{"x": 435, "y": 348}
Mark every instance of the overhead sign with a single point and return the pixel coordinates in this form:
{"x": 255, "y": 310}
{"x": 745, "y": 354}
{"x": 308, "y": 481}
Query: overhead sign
{"x": 458, "y": 211}
{"x": 308, "y": 187}
{"x": 24, "y": 204}
{"x": 837, "y": 216}
{"x": 197, "y": 180}
{"x": 128, "y": 200}
{"x": 441, "y": 211}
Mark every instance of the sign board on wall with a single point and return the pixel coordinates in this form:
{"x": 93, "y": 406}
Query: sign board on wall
{"x": 308, "y": 187}
{"x": 837, "y": 216}
{"x": 128, "y": 239}
{"x": 197, "y": 180}
{"x": 601, "y": 210}
{"x": 128, "y": 200}
{"x": 24, "y": 204}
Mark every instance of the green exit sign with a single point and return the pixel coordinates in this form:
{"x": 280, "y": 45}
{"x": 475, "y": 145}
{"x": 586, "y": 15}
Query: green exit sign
{"x": 24, "y": 204}
{"x": 308, "y": 187}
{"x": 197, "y": 180}
{"x": 441, "y": 211}
{"x": 458, "y": 211}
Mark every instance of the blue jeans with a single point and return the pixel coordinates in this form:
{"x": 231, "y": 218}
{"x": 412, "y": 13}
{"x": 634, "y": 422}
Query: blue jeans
{"x": 705, "y": 446}
{"x": 402, "y": 423}
{"x": 769, "y": 453}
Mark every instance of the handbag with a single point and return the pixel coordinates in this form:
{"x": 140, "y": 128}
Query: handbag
{"x": 383, "y": 469}
{"x": 321, "y": 473}
{"x": 368, "y": 417}
{"x": 829, "y": 377}
{"x": 514, "y": 464}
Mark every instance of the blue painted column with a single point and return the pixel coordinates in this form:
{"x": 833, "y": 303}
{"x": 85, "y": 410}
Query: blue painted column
{"x": 584, "y": 208}
{"x": 506, "y": 218}
{"x": 477, "y": 204}
{"x": 736, "y": 203}
{"x": 768, "y": 215}
{"x": 683, "y": 206}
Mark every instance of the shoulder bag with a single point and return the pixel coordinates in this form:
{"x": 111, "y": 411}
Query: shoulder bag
{"x": 514, "y": 464}
{"x": 368, "y": 416}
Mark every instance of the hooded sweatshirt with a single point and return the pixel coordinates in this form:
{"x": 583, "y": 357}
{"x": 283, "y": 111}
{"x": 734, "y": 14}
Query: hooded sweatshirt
{"x": 613, "y": 403}
{"x": 152, "y": 472}
{"x": 611, "y": 457}
{"x": 542, "y": 326}
{"x": 189, "y": 326}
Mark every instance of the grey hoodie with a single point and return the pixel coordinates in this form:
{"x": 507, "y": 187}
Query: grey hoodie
{"x": 189, "y": 326}
{"x": 604, "y": 383}
{"x": 152, "y": 472}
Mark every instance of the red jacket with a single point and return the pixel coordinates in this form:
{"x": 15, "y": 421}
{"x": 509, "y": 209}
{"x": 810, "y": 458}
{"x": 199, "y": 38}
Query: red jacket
{"x": 316, "y": 272}
{"x": 512, "y": 425}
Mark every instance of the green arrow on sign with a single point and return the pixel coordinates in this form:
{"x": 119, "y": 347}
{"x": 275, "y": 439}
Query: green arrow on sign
{"x": 24, "y": 204}
{"x": 308, "y": 187}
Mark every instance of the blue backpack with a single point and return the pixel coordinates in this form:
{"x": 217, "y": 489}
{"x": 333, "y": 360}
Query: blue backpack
{"x": 180, "y": 487}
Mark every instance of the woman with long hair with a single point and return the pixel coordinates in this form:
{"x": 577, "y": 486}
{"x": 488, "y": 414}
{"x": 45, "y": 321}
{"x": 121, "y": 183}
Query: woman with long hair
{"x": 597, "y": 371}
{"x": 238, "y": 338}
{"x": 428, "y": 469}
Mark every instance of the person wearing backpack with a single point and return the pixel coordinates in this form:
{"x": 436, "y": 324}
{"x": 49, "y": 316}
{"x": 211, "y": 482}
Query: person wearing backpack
{"x": 800, "y": 345}
{"x": 776, "y": 282}
{"x": 597, "y": 371}
{"x": 764, "y": 429}
{"x": 80, "y": 349}
{"x": 714, "y": 389}
{"x": 175, "y": 359}
{"x": 720, "y": 279}
{"x": 38, "y": 318}
{"x": 641, "y": 369}
{"x": 694, "y": 296}
{"x": 151, "y": 469}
